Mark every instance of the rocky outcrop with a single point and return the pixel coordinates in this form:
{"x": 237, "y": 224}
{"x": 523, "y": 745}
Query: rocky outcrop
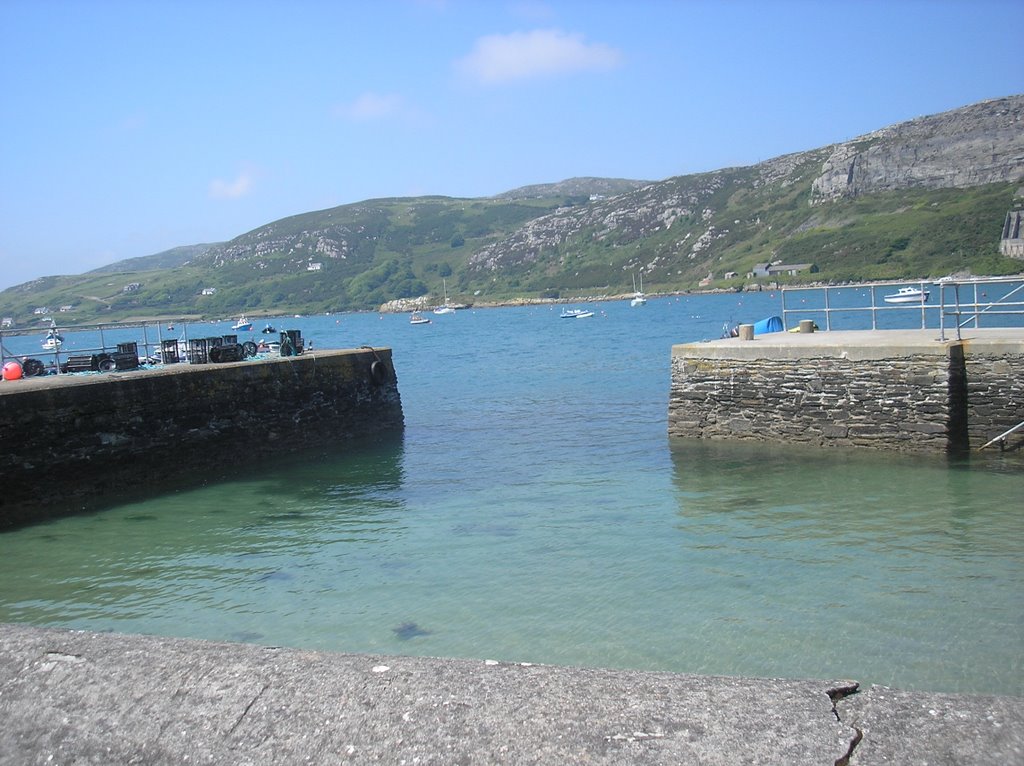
{"x": 976, "y": 145}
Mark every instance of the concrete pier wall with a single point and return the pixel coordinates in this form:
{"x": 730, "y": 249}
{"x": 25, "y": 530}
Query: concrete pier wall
{"x": 75, "y": 442}
{"x": 90, "y": 698}
{"x": 889, "y": 389}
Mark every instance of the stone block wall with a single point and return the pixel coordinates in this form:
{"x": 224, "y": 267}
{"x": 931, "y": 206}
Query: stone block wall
{"x": 924, "y": 396}
{"x": 74, "y": 443}
{"x": 994, "y": 395}
{"x": 892, "y": 404}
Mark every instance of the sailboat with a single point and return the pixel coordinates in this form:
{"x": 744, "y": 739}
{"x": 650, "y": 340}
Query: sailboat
{"x": 639, "y": 299}
{"x": 446, "y": 308}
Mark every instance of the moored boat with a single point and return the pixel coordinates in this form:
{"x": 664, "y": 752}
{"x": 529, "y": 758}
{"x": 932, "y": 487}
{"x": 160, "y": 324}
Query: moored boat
{"x": 53, "y": 340}
{"x": 576, "y": 313}
{"x": 446, "y": 307}
{"x": 418, "y": 318}
{"x": 907, "y": 295}
{"x": 639, "y": 299}
{"x": 243, "y": 324}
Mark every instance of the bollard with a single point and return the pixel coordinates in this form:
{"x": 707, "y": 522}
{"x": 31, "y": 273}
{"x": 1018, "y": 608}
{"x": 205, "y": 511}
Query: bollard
{"x": 806, "y": 325}
{"x": 746, "y": 332}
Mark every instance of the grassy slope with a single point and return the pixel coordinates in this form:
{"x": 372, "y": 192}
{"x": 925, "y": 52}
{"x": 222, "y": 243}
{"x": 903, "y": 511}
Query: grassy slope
{"x": 404, "y": 247}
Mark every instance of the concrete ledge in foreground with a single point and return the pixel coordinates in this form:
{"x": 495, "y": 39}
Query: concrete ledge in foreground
{"x": 89, "y": 698}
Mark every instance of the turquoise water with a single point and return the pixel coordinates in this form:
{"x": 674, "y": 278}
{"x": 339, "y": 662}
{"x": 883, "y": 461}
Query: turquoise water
{"x": 535, "y": 510}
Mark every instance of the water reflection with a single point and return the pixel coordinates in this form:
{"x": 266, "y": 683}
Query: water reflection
{"x": 214, "y": 549}
{"x": 866, "y": 552}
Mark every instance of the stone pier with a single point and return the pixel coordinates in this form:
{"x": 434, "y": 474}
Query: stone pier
{"x": 885, "y": 389}
{"x": 74, "y": 442}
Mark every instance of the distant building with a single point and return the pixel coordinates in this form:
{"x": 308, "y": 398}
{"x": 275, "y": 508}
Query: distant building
{"x": 707, "y": 280}
{"x": 730, "y": 275}
{"x": 209, "y": 291}
{"x": 1012, "y": 243}
{"x": 6, "y": 322}
{"x": 131, "y": 287}
{"x": 66, "y": 309}
{"x": 313, "y": 266}
{"x": 781, "y": 269}
{"x": 41, "y": 310}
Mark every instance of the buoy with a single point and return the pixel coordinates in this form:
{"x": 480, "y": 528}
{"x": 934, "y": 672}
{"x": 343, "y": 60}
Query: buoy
{"x": 12, "y": 371}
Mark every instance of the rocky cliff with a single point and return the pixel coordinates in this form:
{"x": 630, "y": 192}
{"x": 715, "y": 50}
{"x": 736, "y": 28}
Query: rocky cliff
{"x": 976, "y": 145}
{"x": 700, "y": 225}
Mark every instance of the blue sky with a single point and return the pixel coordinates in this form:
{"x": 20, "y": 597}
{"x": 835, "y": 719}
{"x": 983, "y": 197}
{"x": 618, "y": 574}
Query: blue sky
{"x": 132, "y": 127}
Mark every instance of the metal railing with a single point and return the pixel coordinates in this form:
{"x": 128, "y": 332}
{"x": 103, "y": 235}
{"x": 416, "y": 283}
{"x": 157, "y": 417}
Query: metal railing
{"x": 53, "y": 359}
{"x": 966, "y": 301}
{"x": 974, "y": 309}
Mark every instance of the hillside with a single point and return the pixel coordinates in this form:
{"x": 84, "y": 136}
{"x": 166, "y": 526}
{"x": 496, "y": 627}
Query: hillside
{"x": 169, "y": 259}
{"x": 919, "y": 199}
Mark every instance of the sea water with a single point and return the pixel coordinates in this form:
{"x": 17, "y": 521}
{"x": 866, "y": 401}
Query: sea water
{"x": 534, "y": 509}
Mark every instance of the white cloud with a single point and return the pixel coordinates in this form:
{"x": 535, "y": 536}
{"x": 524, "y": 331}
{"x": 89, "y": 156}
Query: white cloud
{"x": 239, "y": 187}
{"x": 371, "y": 106}
{"x": 541, "y": 52}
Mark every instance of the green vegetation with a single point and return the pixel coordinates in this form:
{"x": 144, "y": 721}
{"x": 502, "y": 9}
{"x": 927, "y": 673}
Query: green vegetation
{"x": 357, "y": 257}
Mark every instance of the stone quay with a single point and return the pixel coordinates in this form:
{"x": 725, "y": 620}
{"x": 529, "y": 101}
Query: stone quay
{"x": 885, "y": 389}
{"x": 76, "y": 442}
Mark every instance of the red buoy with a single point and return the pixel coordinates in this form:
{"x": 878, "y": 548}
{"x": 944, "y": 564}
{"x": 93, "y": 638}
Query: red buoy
{"x": 12, "y": 371}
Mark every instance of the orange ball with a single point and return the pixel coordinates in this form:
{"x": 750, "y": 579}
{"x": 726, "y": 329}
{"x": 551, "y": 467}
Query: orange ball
{"x": 12, "y": 371}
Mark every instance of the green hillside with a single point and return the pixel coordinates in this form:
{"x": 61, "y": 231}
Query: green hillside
{"x": 918, "y": 200}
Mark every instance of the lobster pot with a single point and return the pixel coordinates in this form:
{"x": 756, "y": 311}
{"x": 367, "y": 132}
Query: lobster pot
{"x": 197, "y": 350}
{"x": 169, "y": 352}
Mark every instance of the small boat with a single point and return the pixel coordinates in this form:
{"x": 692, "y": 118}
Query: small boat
{"x": 242, "y": 324}
{"x": 446, "y": 308}
{"x": 418, "y": 318}
{"x": 268, "y": 329}
{"x": 53, "y": 340}
{"x": 639, "y": 299}
{"x": 907, "y": 295}
{"x": 576, "y": 313}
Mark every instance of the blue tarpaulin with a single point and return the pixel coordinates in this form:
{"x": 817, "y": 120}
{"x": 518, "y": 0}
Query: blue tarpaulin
{"x": 770, "y": 324}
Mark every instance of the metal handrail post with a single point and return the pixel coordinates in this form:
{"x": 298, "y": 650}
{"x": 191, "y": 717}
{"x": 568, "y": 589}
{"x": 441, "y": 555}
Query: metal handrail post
{"x": 828, "y": 314}
{"x": 942, "y": 311}
{"x": 924, "y": 316}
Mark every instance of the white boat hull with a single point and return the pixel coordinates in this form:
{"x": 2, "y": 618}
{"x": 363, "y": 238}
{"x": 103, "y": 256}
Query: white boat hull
{"x": 907, "y": 295}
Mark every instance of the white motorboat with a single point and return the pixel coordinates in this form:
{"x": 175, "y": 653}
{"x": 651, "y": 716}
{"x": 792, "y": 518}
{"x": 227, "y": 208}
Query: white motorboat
{"x": 576, "y": 313}
{"x": 907, "y": 295}
{"x": 53, "y": 340}
{"x": 242, "y": 325}
{"x": 639, "y": 299}
{"x": 418, "y": 318}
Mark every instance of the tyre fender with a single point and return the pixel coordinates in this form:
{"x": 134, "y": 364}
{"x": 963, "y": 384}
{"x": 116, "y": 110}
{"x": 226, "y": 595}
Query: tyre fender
{"x": 378, "y": 371}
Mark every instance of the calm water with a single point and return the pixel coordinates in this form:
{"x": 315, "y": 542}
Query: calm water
{"x": 536, "y": 510}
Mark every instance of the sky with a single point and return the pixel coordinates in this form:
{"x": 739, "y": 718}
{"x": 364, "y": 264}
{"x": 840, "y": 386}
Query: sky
{"x": 128, "y": 128}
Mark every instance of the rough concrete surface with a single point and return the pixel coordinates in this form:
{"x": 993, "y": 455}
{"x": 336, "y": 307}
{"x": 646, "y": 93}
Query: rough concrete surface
{"x": 74, "y": 697}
